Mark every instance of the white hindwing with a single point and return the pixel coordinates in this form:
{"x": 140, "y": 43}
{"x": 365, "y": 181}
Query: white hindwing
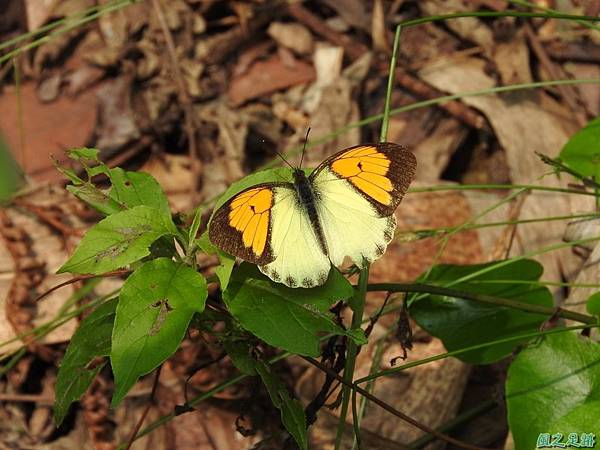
{"x": 351, "y": 224}
{"x": 299, "y": 260}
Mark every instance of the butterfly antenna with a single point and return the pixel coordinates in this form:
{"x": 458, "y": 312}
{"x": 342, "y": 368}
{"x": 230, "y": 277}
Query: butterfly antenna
{"x": 304, "y": 147}
{"x": 284, "y": 160}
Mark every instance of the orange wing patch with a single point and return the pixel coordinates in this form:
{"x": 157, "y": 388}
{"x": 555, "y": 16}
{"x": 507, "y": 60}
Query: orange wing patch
{"x": 366, "y": 168}
{"x": 249, "y": 214}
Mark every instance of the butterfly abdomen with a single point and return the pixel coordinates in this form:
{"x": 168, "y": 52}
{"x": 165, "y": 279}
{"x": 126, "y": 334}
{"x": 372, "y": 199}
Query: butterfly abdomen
{"x": 307, "y": 198}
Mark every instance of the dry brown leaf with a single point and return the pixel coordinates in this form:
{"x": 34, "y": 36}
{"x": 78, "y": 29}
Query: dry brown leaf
{"x": 353, "y": 12}
{"x": 469, "y": 28}
{"x": 435, "y": 151}
{"x": 266, "y": 77}
{"x": 227, "y": 157}
{"x": 590, "y": 93}
{"x": 378, "y": 28}
{"x": 329, "y": 101}
{"x": 48, "y": 129}
{"x": 38, "y": 12}
{"x": 116, "y": 123}
{"x": 294, "y": 36}
{"x": 523, "y": 124}
{"x": 512, "y": 61}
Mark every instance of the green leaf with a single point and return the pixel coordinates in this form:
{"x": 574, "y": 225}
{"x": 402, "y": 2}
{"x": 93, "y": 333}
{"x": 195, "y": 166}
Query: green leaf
{"x": 553, "y": 386}
{"x": 156, "y": 305}
{"x": 11, "y": 176}
{"x": 462, "y": 323}
{"x": 226, "y": 261}
{"x": 593, "y": 304}
{"x": 292, "y": 414}
{"x": 118, "y": 240}
{"x": 96, "y": 198}
{"x": 193, "y": 231}
{"x": 137, "y": 188}
{"x": 292, "y": 319}
{"x": 240, "y": 354}
{"x": 90, "y": 341}
{"x": 84, "y": 154}
{"x": 582, "y": 152}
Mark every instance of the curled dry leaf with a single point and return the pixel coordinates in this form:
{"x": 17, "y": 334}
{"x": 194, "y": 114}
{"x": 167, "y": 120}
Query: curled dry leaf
{"x": 266, "y": 77}
{"x": 116, "y": 123}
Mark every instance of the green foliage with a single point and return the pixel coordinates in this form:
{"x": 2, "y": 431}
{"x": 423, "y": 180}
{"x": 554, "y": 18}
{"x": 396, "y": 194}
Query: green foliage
{"x": 554, "y": 386}
{"x": 118, "y": 240}
{"x": 462, "y": 323}
{"x": 165, "y": 295}
{"x": 593, "y": 304}
{"x": 128, "y": 189}
{"x": 10, "y": 173}
{"x": 292, "y": 414}
{"x": 156, "y": 305}
{"x": 582, "y": 152}
{"x": 226, "y": 261}
{"x": 292, "y": 319}
{"x": 240, "y": 354}
{"x": 90, "y": 341}
{"x": 137, "y": 188}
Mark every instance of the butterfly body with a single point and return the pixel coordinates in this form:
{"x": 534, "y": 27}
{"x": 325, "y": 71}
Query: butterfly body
{"x": 307, "y": 201}
{"x": 295, "y": 231}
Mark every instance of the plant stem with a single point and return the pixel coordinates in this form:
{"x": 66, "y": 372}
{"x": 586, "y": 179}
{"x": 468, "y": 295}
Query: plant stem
{"x": 358, "y": 303}
{"x": 358, "y": 310}
{"x": 434, "y": 358}
{"x": 390, "y": 84}
{"x": 531, "y": 15}
{"x": 482, "y": 298}
{"x": 473, "y": 187}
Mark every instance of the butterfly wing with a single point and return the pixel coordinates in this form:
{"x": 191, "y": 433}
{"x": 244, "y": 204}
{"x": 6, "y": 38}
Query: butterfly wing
{"x": 241, "y": 226}
{"x": 358, "y": 190}
{"x": 267, "y": 226}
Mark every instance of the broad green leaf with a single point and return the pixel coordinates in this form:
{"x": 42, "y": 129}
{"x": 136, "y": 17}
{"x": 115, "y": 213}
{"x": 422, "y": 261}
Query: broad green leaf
{"x": 240, "y": 354}
{"x": 582, "y": 152}
{"x": 11, "y": 176}
{"x": 593, "y": 304}
{"x": 156, "y": 305}
{"x": 292, "y": 414}
{"x": 226, "y": 261}
{"x": 137, "y": 188}
{"x": 553, "y": 386}
{"x": 119, "y": 240}
{"x": 462, "y": 323}
{"x": 90, "y": 341}
{"x": 292, "y": 319}
{"x": 84, "y": 154}
{"x": 96, "y": 198}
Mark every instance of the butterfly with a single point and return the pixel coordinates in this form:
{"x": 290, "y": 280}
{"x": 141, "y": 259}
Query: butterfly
{"x": 295, "y": 231}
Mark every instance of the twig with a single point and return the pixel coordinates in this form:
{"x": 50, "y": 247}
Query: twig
{"x": 421, "y": 89}
{"x": 390, "y": 408}
{"x": 114, "y": 273}
{"x": 48, "y": 218}
{"x": 568, "y": 93}
{"x": 145, "y": 413}
{"x": 184, "y": 97}
{"x": 585, "y": 52}
{"x": 27, "y": 398}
